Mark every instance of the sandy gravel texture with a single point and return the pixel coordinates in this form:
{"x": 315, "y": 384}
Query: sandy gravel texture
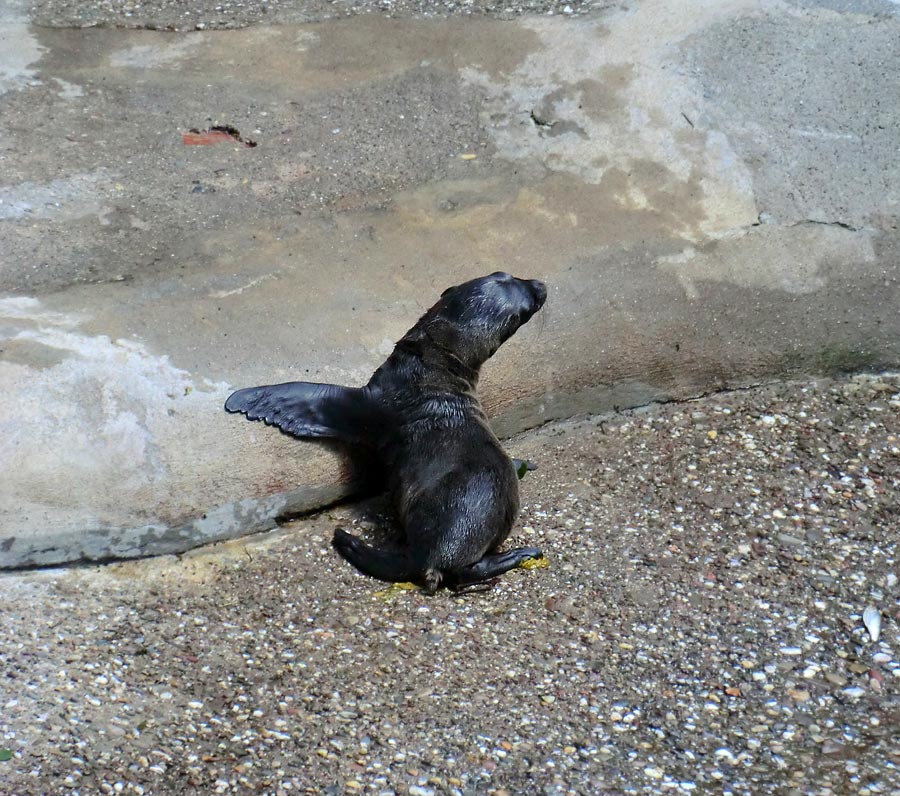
{"x": 228, "y": 14}
{"x": 699, "y": 629}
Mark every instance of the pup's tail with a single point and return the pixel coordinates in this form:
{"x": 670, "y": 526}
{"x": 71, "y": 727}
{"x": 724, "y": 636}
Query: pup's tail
{"x": 394, "y": 566}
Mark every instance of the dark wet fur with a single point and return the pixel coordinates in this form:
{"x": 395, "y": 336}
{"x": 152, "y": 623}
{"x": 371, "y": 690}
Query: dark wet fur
{"x": 454, "y": 489}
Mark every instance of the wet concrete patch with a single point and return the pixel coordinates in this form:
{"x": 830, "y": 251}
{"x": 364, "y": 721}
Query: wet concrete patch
{"x": 19, "y": 48}
{"x": 331, "y": 54}
{"x": 354, "y": 145}
{"x": 162, "y": 51}
{"x": 73, "y": 197}
{"x": 791, "y": 259}
{"x": 588, "y": 102}
{"x": 30, "y": 353}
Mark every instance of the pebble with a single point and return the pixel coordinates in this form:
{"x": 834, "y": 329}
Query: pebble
{"x": 872, "y": 620}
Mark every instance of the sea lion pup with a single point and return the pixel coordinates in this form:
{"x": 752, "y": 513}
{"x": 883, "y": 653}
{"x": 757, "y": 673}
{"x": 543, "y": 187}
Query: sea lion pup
{"x": 455, "y": 490}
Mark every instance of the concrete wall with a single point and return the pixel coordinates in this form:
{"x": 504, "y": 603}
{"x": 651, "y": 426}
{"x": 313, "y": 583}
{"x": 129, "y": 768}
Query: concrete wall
{"x": 711, "y": 196}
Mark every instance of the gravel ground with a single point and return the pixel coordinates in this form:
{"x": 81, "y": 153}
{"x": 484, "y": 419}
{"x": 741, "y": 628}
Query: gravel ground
{"x": 224, "y": 14}
{"x": 699, "y": 629}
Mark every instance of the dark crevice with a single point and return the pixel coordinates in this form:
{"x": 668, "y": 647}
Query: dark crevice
{"x": 764, "y": 219}
{"x": 840, "y": 224}
{"x": 540, "y": 121}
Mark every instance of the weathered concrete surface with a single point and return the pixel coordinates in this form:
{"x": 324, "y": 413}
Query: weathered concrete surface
{"x": 712, "y": 198}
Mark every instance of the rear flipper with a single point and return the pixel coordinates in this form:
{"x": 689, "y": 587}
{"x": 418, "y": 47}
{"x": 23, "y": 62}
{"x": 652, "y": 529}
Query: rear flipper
{"x": 305, "y": 409}
{"x": 398, "y": 567}
{"x": 392, "y": 566}
{"x": 490, "y": 566}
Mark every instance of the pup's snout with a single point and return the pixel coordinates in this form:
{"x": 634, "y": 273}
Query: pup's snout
{"x": 540, "y": 291}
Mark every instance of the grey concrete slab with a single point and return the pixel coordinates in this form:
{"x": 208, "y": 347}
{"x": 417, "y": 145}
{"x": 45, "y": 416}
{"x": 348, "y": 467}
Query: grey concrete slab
{"x": 708, "y": 203}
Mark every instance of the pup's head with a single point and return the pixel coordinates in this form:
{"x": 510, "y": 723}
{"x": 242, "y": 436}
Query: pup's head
{"x": 474, "y": 319}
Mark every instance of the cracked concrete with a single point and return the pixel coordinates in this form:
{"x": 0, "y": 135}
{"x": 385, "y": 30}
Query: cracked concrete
{"x": 712, "y": 199}
{"x": 825, "y": 91}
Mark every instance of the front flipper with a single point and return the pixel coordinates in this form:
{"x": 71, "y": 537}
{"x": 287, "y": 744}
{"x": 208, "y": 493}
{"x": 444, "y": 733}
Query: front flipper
{"x": 490, "y": 566}
{"x": 306, "y": 409}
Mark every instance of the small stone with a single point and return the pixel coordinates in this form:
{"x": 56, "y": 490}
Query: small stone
{"x": 832, "y": 748}
{"x": 872, "y": 620}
